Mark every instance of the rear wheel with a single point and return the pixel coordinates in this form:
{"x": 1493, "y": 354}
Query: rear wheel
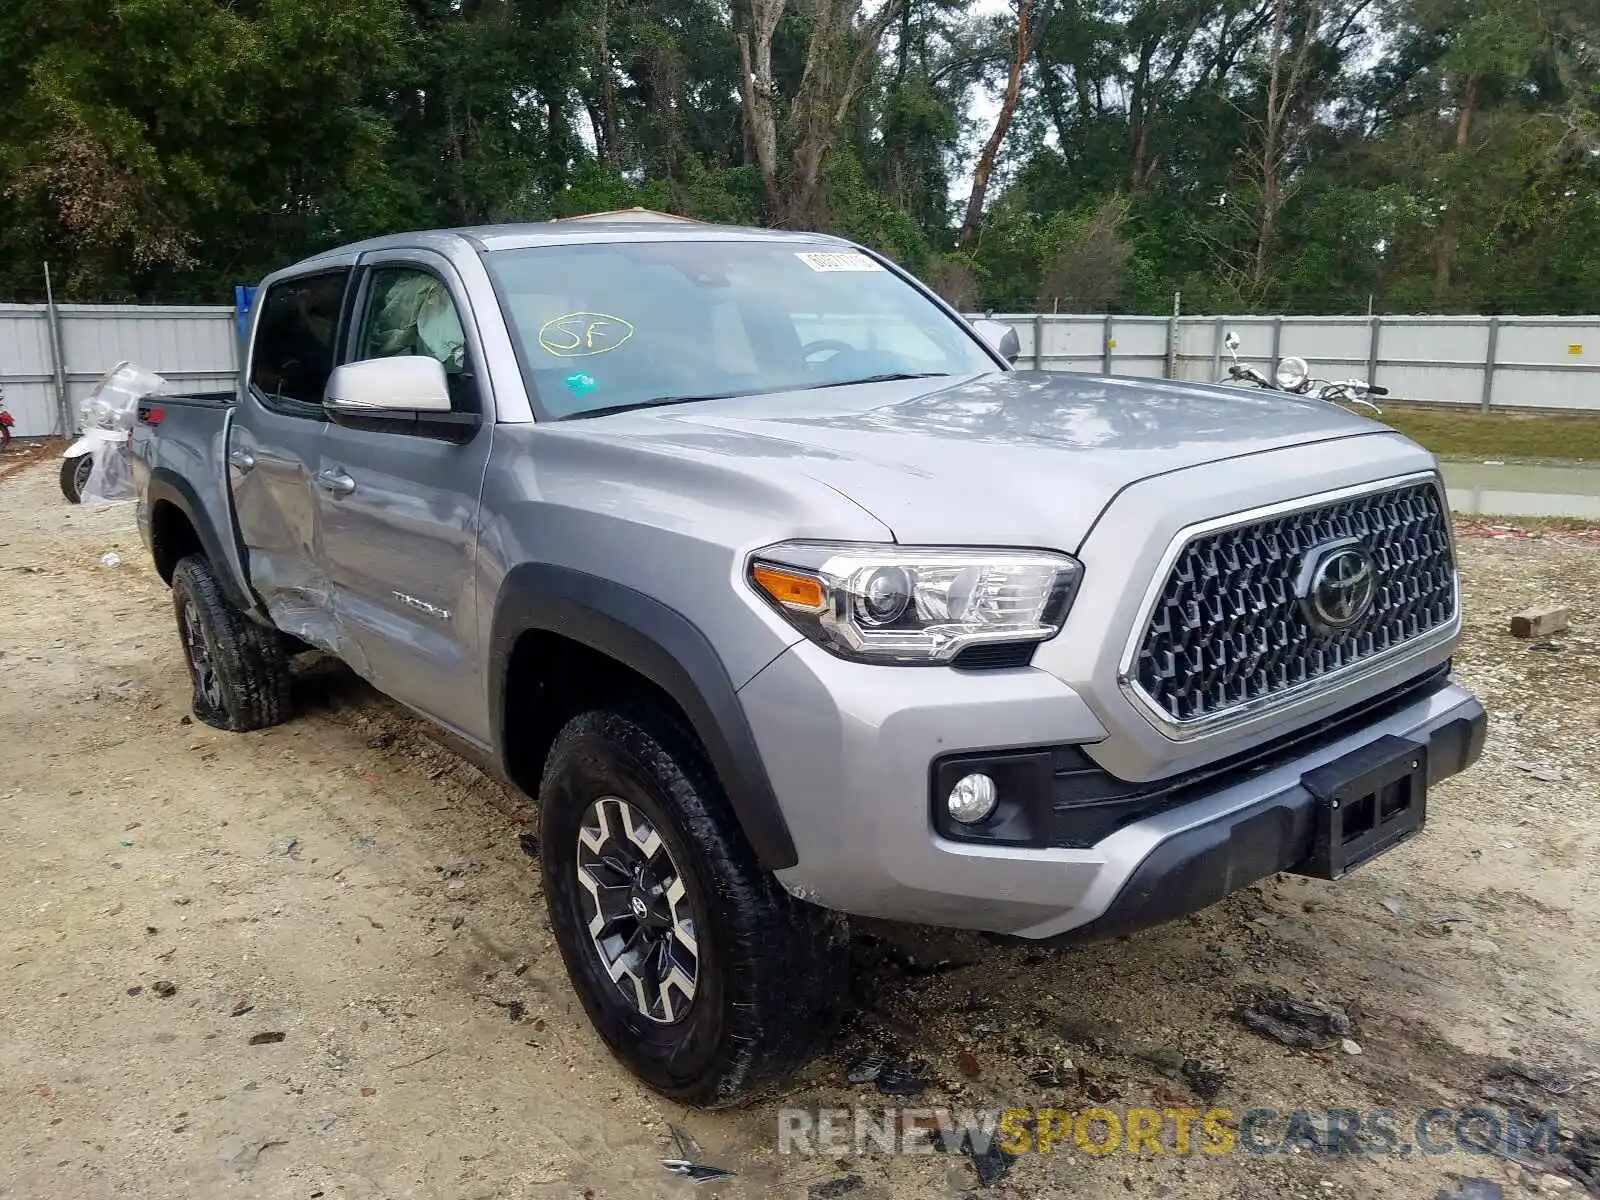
{"x": 75, "y": 476}
{"x": 240, "y": 669}
{"x": 701, "y": 973}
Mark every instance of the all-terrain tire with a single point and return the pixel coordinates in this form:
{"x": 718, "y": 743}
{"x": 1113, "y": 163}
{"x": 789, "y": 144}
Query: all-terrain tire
{"x": 772, "y": 971}
{"x": 74, "y": 475}
{"x": 240, "y": 670}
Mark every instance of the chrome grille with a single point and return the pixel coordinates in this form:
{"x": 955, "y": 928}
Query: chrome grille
{"x": 1227, "y": 628}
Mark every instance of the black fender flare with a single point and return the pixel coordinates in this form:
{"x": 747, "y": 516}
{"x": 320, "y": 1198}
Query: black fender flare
{"x": 663, "y": 646}
{"x": 166, "y": 486}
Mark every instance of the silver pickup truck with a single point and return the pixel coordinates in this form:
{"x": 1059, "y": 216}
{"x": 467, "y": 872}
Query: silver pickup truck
{"x": 788, "y": 598}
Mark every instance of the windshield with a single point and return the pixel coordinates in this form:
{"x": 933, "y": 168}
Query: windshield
{"x": 613, "y": 325}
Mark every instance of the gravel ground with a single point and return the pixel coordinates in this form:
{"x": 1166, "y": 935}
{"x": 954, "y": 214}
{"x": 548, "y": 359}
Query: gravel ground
{"x": 312, "y": 962}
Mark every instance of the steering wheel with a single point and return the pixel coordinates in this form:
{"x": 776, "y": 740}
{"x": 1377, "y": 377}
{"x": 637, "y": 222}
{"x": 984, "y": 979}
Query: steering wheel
{"x": 821, "y": 344}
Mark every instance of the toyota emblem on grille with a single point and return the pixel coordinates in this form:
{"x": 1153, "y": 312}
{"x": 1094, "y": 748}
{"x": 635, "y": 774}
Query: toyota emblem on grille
{"x": 1338, "y": 584}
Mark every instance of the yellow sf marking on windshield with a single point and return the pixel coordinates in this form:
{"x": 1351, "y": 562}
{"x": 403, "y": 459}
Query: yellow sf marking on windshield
{"x": 578, "y": 334}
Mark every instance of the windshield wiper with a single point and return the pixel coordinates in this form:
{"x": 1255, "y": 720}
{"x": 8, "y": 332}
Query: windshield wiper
{"x": 663, "y": 401}
{"x": 653, "y": 402}
{"x": 886, "y": 377}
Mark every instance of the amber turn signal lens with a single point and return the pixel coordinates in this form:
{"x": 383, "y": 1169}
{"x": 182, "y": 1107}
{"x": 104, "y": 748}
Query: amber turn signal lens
{"x": 788, "y": 588}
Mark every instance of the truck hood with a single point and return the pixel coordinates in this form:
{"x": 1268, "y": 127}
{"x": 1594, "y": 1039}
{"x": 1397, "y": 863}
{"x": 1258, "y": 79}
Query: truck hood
{"x": 1020, "y": 458}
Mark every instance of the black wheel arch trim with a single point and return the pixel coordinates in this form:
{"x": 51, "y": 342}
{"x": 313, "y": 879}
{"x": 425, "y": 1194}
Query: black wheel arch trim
{"x": 663, "y": 646}
{"x": 166, "y": 486}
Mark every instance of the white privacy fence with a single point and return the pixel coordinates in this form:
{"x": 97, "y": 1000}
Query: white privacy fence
{"x": 1483, "y": 362}
{"x": 50, "y": 360}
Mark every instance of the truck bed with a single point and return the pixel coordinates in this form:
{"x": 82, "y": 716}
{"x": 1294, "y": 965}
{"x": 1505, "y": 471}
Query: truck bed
{"x": 225, "y": 399}
{"x": 179, "y": 450}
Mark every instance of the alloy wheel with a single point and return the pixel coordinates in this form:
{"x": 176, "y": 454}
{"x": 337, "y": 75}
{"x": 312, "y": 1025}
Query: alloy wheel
{"x": 194, "y": 644}
{"x": 637, "y": 911}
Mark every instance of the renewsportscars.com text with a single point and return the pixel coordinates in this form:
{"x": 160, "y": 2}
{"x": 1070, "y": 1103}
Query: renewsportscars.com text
{"x": 1210, "y": 1131}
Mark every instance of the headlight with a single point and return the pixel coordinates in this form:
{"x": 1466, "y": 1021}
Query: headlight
{"x": 905, "y": 604}
{"x": 1292, "y": 373}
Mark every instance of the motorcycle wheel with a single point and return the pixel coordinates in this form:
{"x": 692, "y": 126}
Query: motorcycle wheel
{"x": 75, "y": 476}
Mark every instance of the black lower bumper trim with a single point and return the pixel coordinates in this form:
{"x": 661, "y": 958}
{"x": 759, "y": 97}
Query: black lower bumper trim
{"x": 1200, "y": 866}
{"x": 1058, "y": 796}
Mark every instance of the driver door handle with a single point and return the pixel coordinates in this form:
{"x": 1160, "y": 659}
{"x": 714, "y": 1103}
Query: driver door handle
{"x": 335, "y": 481}
{"x": 241, "y": 460}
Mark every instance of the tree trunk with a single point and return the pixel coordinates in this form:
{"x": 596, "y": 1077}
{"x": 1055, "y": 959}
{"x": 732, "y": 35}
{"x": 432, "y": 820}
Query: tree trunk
{"x": 556, "y": 133}
{"x": 1290, "y": 64}
{"x": 1272, "y": 130}
{"x": 1053, "y": 94}
{"x": 756, "y": 84}
{"x": 894, "y": 174}
{"x": 1445, "y": 248}
{"x": 1002, "y": 125}
{"x": 903, "y": 50}
{"x": 1139, "y": 133}
{"x": 824, "y": 99}
{"x": 822, "y": 103}
{"x": 606, "y": 134}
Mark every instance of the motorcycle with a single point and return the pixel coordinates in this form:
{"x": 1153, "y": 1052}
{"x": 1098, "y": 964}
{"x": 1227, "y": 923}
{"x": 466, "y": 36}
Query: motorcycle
{"x": 96, "y": 466}
{"x": 6, "y": 421}
{"x": 1294, "y": 376}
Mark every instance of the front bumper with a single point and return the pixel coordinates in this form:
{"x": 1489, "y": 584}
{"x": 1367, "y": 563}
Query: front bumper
{"x": 1199, "y": 864}
{"x": 850, "y": 751}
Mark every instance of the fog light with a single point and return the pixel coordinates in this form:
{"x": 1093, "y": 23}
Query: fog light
{"x": 973, "y": 798}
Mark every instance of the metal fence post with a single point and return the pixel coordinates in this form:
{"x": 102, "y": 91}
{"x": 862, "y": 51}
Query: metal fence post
{"x": 1216, "y": 351}
{"x": 1038, "y": 341}
{"x": 1105, "y": 346}
{"x": 1277, "y": 345}
{"x": 1488, "y": 362}
{"x": 1375, "y": 331}
{"x": 58, "y": 366}
{"x": 1170, "y": 370}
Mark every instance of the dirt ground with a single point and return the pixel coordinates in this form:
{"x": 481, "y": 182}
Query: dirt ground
{"x": 349, "y": 887}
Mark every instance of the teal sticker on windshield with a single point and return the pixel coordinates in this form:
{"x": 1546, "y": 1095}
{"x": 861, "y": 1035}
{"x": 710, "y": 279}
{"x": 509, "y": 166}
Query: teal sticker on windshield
{"x": 581, "y": 383}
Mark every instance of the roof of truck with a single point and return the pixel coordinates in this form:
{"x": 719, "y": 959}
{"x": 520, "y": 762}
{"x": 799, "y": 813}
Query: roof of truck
{"x": 622, "y": 225}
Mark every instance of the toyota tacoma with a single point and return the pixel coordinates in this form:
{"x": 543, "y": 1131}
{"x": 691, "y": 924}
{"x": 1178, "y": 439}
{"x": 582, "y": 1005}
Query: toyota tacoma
{"x": 788, "y": 599}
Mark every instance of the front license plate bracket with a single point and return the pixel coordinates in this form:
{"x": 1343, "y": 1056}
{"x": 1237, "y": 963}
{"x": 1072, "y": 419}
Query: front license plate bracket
{"x": 1367, "y": 802}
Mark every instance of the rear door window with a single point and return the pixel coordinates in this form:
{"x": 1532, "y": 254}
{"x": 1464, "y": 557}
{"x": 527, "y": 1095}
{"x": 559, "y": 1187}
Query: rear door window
{"x": 296, "y": 336}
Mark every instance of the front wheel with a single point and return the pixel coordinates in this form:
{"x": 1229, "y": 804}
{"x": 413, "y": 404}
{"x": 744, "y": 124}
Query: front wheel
{"x": 240, "y": 670}
{"x": 701, "y": 973}
{"x": 75, "y": 474}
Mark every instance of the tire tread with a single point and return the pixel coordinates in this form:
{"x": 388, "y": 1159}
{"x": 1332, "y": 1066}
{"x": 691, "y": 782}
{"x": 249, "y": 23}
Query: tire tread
{"x": 789, "y": 960}
{"x": 251, "y": 660}
{"x": 69, "y": 479}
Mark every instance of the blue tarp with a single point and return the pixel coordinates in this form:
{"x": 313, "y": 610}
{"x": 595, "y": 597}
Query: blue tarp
{"x": 243, "y": 297}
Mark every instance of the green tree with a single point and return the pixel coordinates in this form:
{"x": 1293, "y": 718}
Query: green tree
{"x": 1274, "y": 154}
{"x": 167, "y": 148}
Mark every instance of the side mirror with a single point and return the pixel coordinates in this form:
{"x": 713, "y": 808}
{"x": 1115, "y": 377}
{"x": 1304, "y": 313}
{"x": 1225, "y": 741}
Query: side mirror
{"x": 1231, "y": 342}
{"x": 1001, "y": 338}
{"x": 403, "y": 385}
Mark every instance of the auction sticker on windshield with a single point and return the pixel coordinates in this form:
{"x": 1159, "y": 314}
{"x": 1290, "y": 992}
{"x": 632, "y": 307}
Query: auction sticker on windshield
{"x": 847, "y": 260}
{"x": 574, "y": 335}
